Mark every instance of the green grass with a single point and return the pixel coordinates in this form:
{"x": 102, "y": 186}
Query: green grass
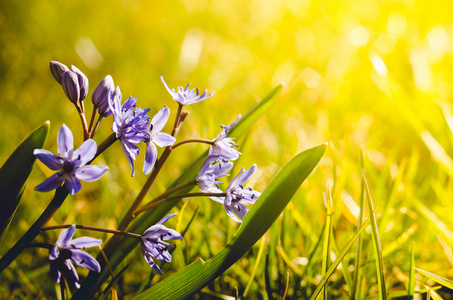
{"x": 330, "y": 57}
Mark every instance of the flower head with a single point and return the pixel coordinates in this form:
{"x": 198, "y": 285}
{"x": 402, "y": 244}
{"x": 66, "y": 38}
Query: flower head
{"x": 152, "y": 244}
{"x": 129, "y": 124}
{"x": 223, "y": 145}
{"x": 156, "y": 137}
{"x": 70, "y": 164}
{"x": 185, "y": 96}
{"x": 213, "y": 168}
{"x": 237, "y": 196}
{"x": 66, "y": 252}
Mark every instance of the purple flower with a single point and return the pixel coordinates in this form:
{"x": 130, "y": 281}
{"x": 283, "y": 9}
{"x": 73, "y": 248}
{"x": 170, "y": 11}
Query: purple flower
{"x": 70, "y": 164}
{"x": 184, "y": 96}
{"x": 237, "y": 196}
{"x": 213, "y": 168}
{"x": 66, "y": 252}
{"x": 152, "y": 244}
{"x": 130, "y": 125}
{"x": 223, "y": 146}
{"x": 57, "y": 69}
{"x": 83, "y": 82}
{"x": 155, "y": 137}
{"x": 100, "y": 96}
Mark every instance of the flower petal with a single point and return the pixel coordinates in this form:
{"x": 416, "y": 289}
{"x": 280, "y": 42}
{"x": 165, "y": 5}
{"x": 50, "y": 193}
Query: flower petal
{"x": 51, "y": 183}
{"x": 85, "y": 260}
{"x": 70, "y": 274}
{"x": 84, "y": 153}
{"x": 65, "y": 236}
{"x": 166, "y": 86}
{"x": 54, "y": 253}
{"x": 160, "y": 119}
{"x": 166, "y": 218}
{"x": 52, "y": 161}
{"x": 149, "y": 259}
{"x": 84, "y": 242}
{"x": 246, "y": 175}
{"x": 163, "y": 139}
{"x": 73, "y": 184}
{"x": 230, "y": 213}
{"x": 150, "y": 158}
{"x": 54, "y": 272}
{"x": 65, "y": 141}
{"x": 130, "y": 157}
{"x": 90, "y": 173}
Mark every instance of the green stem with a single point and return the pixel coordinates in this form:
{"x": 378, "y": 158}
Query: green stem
{"x": 171, "y": 191}
{"x": 162, "y": 201}
{"x": 93, "y": 228}
{"x": 93, "y": 116}
{"x": 192, "y": 141}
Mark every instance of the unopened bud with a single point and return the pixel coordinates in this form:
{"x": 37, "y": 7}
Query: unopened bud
{"x": 57, "y": 69}
{"x": 83, "y": 82}
{"x": 102, "y": 90}
{"x": 70, "y": 84}
{"x": 104, "y": 109}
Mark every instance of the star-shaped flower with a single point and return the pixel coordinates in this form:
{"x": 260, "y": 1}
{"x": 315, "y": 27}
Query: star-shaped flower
{"x": 185, "y": 96}
{"x": 238, "y": 197}
{"x": 223, "y": 146}
{"x": 129, "y": 124}
{"x": 70, "y": 164}
{"x": 152, "y": 244}
{"x": 213, "y": 168}
{"x": 66, "y": 252}
{"x": 155, "y": 137}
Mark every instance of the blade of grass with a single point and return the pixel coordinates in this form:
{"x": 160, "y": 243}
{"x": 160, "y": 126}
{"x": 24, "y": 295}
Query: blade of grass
{"x": 411, "y": 285}
{"x": 377, "y": 245}
{"x": 257, "y": 263}
{"x": 440, "y": 280}
{"x": 337, "y": 261}
{"x": 327, "y": 238}
{"x": 267, "y": 279}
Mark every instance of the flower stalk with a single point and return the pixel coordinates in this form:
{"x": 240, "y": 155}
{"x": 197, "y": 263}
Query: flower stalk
{"x": 93, "y": 228}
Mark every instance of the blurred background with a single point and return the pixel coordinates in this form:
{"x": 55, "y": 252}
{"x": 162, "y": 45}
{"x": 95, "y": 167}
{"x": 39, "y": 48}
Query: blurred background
{"x": 362, "y": 75}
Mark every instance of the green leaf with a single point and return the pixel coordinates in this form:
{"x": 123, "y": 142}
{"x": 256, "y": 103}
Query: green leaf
{"x": 411, "y": 285}
{"x": 337, "y": 262}
{"x": 440, "y": 280}
{"x": 261, "y": 216}
{"x": 14, "y": 175}
{"x": 125, "y": 245}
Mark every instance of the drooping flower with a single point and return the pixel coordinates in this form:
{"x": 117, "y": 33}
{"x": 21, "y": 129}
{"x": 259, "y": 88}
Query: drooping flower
{"x": 66, "y": 252}
{"x": 185, "y": 96}
{"x": 155, "y": 137}
{"x": 213, "y": 168}
{"x": 152, "y": 243}
{"x": 223, "y": 146}
{"x": 238, "y": 197}
{"x": 70, "y": 164}
{"x": 129, "y": 124}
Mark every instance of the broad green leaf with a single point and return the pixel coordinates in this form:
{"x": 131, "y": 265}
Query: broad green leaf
{"x": 261, "y": 216}
{"x": 15, "y": 172}
{"x": 337, "y": 262}
{"x": 377, "y": 246}
{"x": 440, "y": 280}
{"x": 125, "y": 245}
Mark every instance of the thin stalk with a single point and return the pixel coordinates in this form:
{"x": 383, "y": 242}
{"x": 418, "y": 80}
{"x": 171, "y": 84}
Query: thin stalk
{"x": 188, "y": 195}
{"x": 38, "y": 245}
{"x": 171, "y": 191}
{"x": 177, "y": 121}
{"x": 97, "y": 126}
{"x": 93, "y": 117}
{"x": 93, "y": 228}
{"x": 192, "y": 141}
{"x": 86, "y": 134}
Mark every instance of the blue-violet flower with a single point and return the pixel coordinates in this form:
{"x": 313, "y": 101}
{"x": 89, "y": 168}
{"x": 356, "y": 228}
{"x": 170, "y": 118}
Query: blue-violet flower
{"x": 129, "y": 124}
{"x": 70, "y": 164}
{"x": 213, "y": 168}
{"x": 152, "y": 244}
{"x": 184, "y": 96}
{"x": 100, "y": 95}
{"x": 223, "y": 146}
{"x": 155, "y": 137}
{"x": 238, "y": 197}
{"x": 67, "y": 251}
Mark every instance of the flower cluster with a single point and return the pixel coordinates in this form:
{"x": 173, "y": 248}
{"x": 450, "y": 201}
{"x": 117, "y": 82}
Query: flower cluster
{"x": 132, "y": 126}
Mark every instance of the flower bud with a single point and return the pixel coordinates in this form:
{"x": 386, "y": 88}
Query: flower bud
{"x": 104, "y": 109}
{"x": 101, "y": 92}
{"x": 70, "y": 84}
{"x": 57, "y": 69}
{"x": 83, "y": 82}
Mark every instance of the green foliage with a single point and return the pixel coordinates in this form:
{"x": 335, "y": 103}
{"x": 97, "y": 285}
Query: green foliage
{"x": 14, "y": 175}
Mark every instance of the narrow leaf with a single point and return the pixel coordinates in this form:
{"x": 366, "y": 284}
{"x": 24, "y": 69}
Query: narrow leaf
{"x": 337, "y": 262}
{"x": 263, "y": 213}
{"x": 377, "y": 246}
{"x": 15, "y": 172}
{"x": 327, "y": 240}
{"x": 411, "y": 285}
{"x": 440, "y": 280}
